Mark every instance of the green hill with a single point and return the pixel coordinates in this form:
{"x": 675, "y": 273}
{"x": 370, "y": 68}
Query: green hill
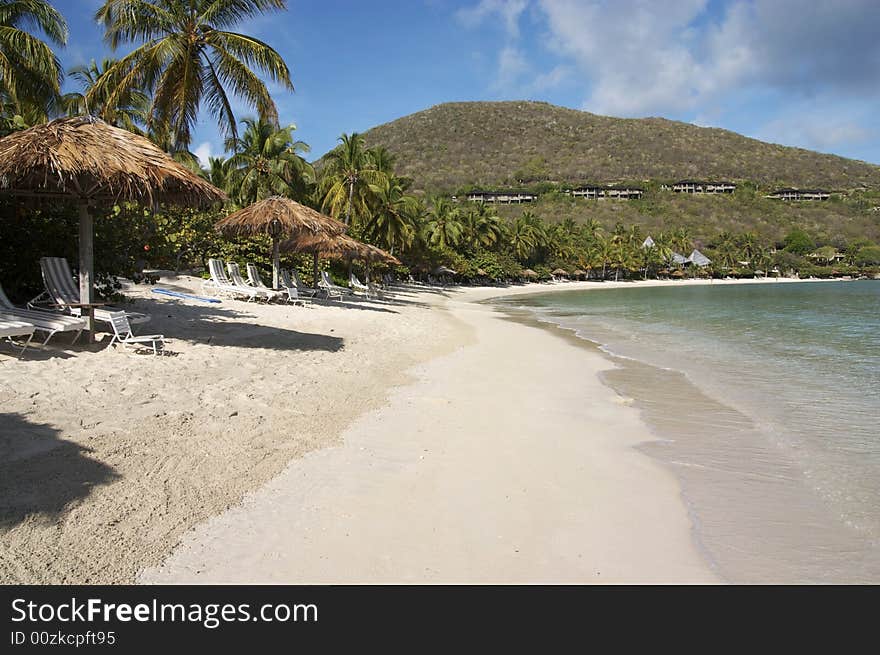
{"x": 457, "y": 146}
{"x": 453, "y": 145}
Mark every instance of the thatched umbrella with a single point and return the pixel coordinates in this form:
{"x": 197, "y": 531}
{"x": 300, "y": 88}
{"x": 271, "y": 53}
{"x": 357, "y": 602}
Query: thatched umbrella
{"x": 372, "y": 253}
{"x": 529, "y": 273}
{"x": 87, "y": 161}
{"x": 579, "y": 273}
{"x": 337, "y": 246}
{"x": 278, "y": 216}
{"x": 560, "y": 271}
{"x": 322, "y": 244}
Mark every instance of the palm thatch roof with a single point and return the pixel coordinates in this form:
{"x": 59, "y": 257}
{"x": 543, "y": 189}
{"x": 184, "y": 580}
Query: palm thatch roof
{"x": 278, "y": 215}
{"x": 529, "y": 273}
{"x": 559, "y": 271}
{"x": 376, "y": 254}
{"x": 336, "y": 246}
{"x": 87, "y": 159}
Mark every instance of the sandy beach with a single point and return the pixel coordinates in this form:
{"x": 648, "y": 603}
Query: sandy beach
{"x": 429, "y": 439}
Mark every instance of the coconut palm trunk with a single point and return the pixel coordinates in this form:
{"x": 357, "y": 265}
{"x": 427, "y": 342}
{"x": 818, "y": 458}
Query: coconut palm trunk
{"x": 350, "y": 200}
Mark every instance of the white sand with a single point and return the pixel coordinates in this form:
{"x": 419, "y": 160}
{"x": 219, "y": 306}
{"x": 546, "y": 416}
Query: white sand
{"x": 504, "y": 459}
{"x": 507, "y": 461}
{"x": 107, "y": 457}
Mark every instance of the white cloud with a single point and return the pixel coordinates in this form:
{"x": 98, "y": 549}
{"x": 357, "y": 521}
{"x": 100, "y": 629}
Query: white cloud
{"x": 203, "y": 152}
{"x": 507, "y": 10}
{"x": 823, "y": 130}
{"x": 511, "y": 66}
{"x": 636, "y": 57}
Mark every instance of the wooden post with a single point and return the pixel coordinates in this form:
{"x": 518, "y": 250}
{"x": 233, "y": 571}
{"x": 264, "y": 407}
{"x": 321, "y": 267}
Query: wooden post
{"x": 87, "y": 265}
{"x": 276, "y": 264}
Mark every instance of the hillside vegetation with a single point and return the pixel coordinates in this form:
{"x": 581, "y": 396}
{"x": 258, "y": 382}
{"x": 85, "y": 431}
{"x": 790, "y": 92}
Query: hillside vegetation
{"x": 486, "y": 144}
{"x": 454, "y": 147}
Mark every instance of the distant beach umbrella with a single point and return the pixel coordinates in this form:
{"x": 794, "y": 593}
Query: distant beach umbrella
{"x": 87, "y": 161}
{"x": 578, "y": 273}
{"x": 560, "y": 271}
{"x": 529, "y": 273}
{"x": 278, "y": 217}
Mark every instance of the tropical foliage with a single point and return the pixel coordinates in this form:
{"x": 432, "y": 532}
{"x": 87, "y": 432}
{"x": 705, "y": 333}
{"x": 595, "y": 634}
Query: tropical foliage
{"x": 185, "y": 60}
{"x": 30, "y": 72}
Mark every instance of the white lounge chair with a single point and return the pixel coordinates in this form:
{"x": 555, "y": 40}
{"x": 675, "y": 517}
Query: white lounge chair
{"x": 293, "y": 294}
{"x": 357, "y": 285}
{"x": 329, "y": 288}
{"x": 122, "y": 334}
{"x": 301, "y": 288}
{"x": 254, "y": 280}
{"x": 237, "y": 280}
{"x": 49, "y": 322}
{"x": 13, "y": 328}
{"x": 223, "y": 286}
{"x": 62, "y": 292}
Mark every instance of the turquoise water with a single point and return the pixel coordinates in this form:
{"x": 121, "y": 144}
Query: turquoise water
{"x": 766, "y": 398}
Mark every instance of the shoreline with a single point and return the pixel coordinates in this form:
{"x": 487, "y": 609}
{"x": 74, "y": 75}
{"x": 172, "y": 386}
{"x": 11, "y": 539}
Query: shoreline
{"x": 746, "y": 538}
{"x": 457, "y": 479}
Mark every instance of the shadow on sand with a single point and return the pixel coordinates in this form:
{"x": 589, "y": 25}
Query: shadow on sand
{"x": 214, "y": 324}
{"x": 41, "y": 473}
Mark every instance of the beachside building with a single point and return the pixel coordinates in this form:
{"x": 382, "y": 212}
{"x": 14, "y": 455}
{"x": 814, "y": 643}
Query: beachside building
{"x": 501, "y": 197}
{"x": 697, "y": 186}
{"x": 799, "y": 194}
{"x": 597, "y": 192}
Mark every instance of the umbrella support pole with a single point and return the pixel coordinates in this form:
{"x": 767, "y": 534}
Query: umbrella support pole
{"x": 87, "y": 264}
{"x": 276, "y": 264}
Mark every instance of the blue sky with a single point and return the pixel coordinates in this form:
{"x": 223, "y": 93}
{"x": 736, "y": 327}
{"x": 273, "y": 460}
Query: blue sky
{"x": 797, "y": 72}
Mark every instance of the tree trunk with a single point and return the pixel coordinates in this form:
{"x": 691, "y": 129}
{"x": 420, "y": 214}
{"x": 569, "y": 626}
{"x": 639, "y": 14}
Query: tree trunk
{"x": 276, "y": 264}
{"x": 350, "y": 197}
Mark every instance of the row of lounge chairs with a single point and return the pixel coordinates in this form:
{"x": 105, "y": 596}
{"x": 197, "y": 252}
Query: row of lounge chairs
{"x": 57, "y": 308}
{"x": 228, "y": 281}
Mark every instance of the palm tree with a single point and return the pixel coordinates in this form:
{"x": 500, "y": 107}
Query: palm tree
{"x": 393, "y": 223}
{"x": 682, "y": 240}
{"x": 347, "y": 176}
{"x": 481, "y": 226}
{"x": 187, "y": 57}
{"x": 30, "y": 73}
{"x": 527, "y": 235}
{"x": 444, "y": 227}
{"x": 217, "y": 172}
{"x": 266, "y": 162}
{"x": 131, "y": 110}
{"x": 382, "y": 159}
